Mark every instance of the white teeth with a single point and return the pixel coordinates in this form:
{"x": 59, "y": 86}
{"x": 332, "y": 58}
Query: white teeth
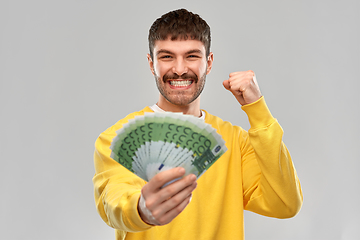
{"x": 183, "y": 83}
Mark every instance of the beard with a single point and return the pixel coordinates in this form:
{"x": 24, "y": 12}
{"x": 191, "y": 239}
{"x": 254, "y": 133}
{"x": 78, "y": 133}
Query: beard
{"x": 177, "y": 96}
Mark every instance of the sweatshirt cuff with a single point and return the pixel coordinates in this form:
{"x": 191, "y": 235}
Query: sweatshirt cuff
{"x": 259, "y": 114}
{"x": 135, "y": 221}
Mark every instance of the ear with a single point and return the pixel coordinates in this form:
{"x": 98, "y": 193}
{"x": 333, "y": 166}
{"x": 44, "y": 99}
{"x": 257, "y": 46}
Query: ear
{"x": 151, "y": 63}
{"x": 210, "y": 60}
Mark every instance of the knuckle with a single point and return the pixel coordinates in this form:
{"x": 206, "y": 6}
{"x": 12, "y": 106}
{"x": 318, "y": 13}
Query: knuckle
{"x": 246, "y": 82}
{"x": 179, "y": 209}
{"x": 176, "y": 200}
{"x": 250, "y": 74}
{"x": 156, "y": 214}
{"x": 158, "y": 178}
{"x": 149, "y": 204}
{"x": 191, "y": 179}
{"x": 169, "y": 191}
{"x": 144, "y": 189}
{"x": 162, "y": 221}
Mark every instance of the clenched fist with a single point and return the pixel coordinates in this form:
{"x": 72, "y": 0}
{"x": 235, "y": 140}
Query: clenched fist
{"x": 243, "y": 86}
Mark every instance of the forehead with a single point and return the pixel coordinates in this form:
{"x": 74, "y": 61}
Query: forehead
{"x": 178, "y": 46}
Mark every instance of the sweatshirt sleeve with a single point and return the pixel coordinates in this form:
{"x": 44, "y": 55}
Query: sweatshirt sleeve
{"x": 117, "y": 190}
{"x": 270, "y": 183}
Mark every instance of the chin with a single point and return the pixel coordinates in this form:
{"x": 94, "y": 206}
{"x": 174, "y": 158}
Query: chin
{"x": 181, "y": 101}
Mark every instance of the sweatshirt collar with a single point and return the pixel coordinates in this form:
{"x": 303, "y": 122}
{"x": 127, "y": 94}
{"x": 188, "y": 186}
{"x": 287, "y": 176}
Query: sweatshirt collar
{"x": 156, "y": 108}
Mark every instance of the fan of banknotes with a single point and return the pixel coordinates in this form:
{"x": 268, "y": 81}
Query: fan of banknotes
{"x": 155, "y": 142}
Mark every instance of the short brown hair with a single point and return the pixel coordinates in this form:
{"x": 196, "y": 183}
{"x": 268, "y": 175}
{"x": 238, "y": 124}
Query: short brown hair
{"x": 180, "y": 24}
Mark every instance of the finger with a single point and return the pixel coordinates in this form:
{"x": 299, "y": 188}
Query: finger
{"x": 235, "y": 74}
{"x": 174, "y": 200}
{"x": 170, "y": 215}
{"x": 163, "y": 203}
{"x": 226, "y": 84}
{"x": 156, "y": 197}
{"x": 250, "y": 72}
{"x": 246, "y": 74}
{"x": 241, "y": 83}
{"x": 239, "y": 86}
{"x": 162, "y": 178}
{"x": 186, "y": 184}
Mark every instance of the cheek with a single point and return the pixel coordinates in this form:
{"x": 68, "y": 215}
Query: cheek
{"x": 160, "y": 70}
{"x": 201, "y": 68}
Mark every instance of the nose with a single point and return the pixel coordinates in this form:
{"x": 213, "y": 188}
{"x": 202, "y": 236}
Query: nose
{"x": 180, "y": 67}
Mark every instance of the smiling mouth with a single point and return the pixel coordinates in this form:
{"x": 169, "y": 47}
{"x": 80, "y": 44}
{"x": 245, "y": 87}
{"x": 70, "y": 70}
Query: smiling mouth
{"x": 180, "y": 83}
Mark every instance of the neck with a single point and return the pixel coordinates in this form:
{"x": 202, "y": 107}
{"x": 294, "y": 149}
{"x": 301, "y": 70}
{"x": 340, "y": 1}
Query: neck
{"x": 190, "y": 109}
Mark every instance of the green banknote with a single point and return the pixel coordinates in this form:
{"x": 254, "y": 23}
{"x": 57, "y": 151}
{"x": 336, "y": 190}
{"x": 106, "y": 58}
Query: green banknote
{"x": 156, "y": 142}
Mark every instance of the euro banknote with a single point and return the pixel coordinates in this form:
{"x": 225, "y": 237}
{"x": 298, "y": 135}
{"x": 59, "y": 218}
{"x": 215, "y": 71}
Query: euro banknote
{"x": 155, "y": 142}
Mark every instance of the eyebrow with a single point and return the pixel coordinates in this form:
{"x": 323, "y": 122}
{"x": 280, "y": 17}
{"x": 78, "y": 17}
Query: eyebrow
{"x": 169, "y": 52}
{"x": 163, "y": 51}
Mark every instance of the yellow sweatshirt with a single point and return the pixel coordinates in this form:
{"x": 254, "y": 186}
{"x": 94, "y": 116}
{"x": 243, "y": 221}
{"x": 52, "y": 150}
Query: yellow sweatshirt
{"x": 255, "y": 174}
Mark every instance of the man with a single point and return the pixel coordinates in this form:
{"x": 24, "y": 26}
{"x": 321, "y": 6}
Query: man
{"x": 256, "y": 173}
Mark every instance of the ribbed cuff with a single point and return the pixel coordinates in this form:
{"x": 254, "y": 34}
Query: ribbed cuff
{"x": 133, "y": 215}
{"x": 259, "y": 114}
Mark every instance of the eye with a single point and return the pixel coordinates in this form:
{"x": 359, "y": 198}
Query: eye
{"x": 165, "y": 57}
{"x": 193, "y": 56}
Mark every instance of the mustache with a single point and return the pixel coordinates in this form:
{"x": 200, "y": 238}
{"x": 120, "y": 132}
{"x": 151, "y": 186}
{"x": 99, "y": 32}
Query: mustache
{"x": 184, "y": 76}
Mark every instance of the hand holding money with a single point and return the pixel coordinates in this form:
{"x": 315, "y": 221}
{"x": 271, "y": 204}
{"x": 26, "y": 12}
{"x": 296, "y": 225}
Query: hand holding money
{"x": 169, "y": 151}
{"x": 243, "y": 86}
{"x": 159, "y": 205}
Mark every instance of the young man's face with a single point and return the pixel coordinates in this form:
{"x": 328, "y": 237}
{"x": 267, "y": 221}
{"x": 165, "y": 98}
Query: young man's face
{"x": 180, "y": 68}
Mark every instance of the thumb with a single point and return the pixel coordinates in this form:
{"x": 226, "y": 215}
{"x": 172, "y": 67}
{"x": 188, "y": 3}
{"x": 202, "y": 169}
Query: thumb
{"x": 226, "y": 84}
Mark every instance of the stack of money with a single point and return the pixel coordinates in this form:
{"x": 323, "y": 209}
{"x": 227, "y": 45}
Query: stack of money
{"x": 155, "y": 142}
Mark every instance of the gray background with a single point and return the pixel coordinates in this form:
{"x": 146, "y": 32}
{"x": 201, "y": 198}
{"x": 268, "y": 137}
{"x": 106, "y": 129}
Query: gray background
{"x": 70, "y": 69}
